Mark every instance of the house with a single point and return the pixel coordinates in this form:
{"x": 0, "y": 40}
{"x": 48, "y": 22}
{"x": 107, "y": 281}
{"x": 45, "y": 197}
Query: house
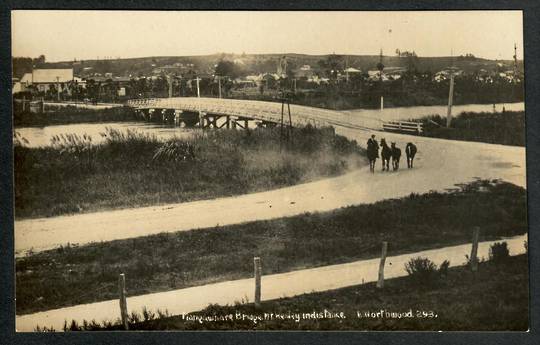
{"x": 16, "y": 86}
{"x": 446, "y": 73}
{"x": 42, "y": 79}
{"x": 348, "y": 73}
{"x": 244, "y": 83}
{"x": 318, "y": 80}
{"x": 304, "y": 72}
{"x": 376, "y": 75}
{"x": 352, "y": 70}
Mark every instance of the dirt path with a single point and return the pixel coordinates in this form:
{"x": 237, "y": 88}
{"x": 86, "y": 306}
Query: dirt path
{"x": 273, "y": 287}
{"x": 439, "y": 165}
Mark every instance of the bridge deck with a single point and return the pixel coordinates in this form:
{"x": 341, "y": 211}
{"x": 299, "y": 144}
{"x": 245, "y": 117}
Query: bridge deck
{"x": 259, "y": 110}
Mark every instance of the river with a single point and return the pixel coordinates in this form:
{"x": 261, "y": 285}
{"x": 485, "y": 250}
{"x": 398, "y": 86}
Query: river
{"x": 412, "y": 113}
{"x": 41, "y": 136}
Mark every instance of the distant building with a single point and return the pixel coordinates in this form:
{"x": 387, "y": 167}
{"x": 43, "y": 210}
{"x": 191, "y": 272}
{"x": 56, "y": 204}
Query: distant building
{"x": 352, "y": 70}
{"x": 388, "y": 73}
{"x": 318, "y": 80}
{"x": 376, "y": 75}
{"x": 16, "y": 86}
{"x": 348, "y": 73}
{"x": 42, "y": 79}
{"x": 304, "y": 72}
{"x": 445, "y": 73}
{"x": 245, "y": 83}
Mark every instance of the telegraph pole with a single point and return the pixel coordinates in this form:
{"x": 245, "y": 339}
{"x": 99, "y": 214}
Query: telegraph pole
{"x": 169, "y": 80}
{"x": 514, "y": 79}
{"x": 380, "y": 67}
{"x": 58, "y": 88}
{"x": 450, "y": 95}
{"x": 450, "y": 100}
{"x": 199, "y": 104}
{"x": 219, "y": 85}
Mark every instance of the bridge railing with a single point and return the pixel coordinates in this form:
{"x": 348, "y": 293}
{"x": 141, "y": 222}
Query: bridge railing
{"x": 261, "y": 110}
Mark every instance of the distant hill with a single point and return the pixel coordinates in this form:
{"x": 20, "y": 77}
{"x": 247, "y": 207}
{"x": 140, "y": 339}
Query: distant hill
{"x": 259, "y": 63}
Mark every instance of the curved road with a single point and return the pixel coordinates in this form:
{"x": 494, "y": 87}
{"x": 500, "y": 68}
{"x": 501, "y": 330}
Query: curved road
{"x": 439, "y": 165}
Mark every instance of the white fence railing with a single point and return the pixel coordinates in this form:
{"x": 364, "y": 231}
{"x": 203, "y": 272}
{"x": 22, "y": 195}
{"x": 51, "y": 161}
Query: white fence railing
{"x": 403, "y": 126}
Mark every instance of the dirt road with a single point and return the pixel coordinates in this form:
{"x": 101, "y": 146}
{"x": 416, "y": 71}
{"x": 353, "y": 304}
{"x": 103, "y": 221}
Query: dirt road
{"x": 440, "y": 164}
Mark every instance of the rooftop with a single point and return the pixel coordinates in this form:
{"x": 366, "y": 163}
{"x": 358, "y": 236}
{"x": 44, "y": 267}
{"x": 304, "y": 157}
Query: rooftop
{"x": 52, "y": 75}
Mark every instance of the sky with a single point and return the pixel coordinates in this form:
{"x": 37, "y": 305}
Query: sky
{"x": 66, "y": 35}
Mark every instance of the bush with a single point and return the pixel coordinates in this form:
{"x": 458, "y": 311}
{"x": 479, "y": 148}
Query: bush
{"x": 443, "y": 269}
{"x": 498, "y": 252}
{"x": 422, "y": 270}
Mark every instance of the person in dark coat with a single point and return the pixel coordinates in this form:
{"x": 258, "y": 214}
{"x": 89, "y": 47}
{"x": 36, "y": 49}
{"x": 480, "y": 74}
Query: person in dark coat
{"x": 372, "y": 152}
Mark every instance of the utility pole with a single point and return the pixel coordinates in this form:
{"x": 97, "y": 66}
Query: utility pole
{"x": 169, "y": 80}
{"x": 58, "y": 88}
{"x": 515, "y": 61}
{"x": 450, "y": 94}
{"x": 199, "y": 104}
{"x": 450, "y": 100}
{"x": 380, "y": 67}
{"x": 347, "y": 68}
{"x": 219, "y": 85}
{"x": 514, "y": 79}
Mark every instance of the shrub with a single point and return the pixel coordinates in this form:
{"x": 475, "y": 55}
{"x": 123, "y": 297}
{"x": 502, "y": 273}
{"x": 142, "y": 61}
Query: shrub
{"x": 443, "y": 268}
{"x": 498, "y": 252}
{"x": 422, "y": 270}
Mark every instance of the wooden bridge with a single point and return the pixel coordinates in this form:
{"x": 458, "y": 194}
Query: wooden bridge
{"x": 219, "y": 113}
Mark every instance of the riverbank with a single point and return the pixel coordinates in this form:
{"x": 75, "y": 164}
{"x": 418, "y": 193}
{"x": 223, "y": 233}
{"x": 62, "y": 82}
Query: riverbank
{"x": 505, "y": 128}
{"x": 73, "y": 275}
{"x": 130, "y": 169}
{"x": 71, "y": 114}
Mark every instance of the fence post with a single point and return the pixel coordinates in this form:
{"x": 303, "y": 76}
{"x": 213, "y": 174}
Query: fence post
{"x": 257, "y": 266}
{"x": 123, "y": 302}
{"x": 380, "y": 282}
{"x": 474, "y": 249}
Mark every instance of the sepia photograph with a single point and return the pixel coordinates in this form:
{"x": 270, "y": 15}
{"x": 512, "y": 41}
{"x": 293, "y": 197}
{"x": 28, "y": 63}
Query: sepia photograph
{"x": 269, "y": 170}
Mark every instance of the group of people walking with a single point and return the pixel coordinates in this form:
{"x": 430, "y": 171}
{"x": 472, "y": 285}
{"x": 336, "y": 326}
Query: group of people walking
{"x": 388, "y": 153}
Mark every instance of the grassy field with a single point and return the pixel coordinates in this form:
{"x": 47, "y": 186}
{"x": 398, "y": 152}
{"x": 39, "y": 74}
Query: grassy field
{"x": 72, "y": 114}
{"x": 131, "y": 169}
{"x": 506, "y": 128}
{"x": 75, "y": 275}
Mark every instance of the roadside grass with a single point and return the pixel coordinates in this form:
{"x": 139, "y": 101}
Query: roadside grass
{"x": 72, "y": 275}
{"x": 72, "y": 114}
{"x": 496, "y": 298}
{"x": 506, "y": 128}
{"x": 131, "y": 169}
